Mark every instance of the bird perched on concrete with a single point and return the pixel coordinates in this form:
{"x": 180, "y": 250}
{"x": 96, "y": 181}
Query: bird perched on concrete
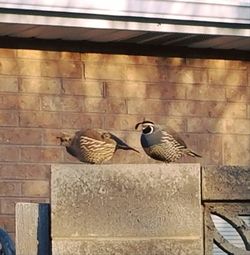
{"x": 163, "y": 145}
{"x": 93, "y": 146}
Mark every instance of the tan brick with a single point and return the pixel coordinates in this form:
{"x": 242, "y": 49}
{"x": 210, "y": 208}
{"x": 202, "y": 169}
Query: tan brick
{"x": 104, "y": 58}
{"x": 7, "y": 223}
{"x": 29, "y": 67}
{"x": 10, "y": 188}
{"x": 111, "y": 58}
{"x": 61, "y": 69}
{"x": 35, "y": 188}
{"x": 148, "y": 73}
{"x": 165, "y": 91}
{"x": 69, "y": 56}
{"x": 227, "y": 110}
{"x": 8, "y": 84}
{"x": 24, "y": 171}
{"x": 8, "y": 118}
{"x": 20, "y": 136}
{"x": 49, "y": 136}
{"x": 206, "y": 93}
{"x": 109, "y": 105}
{"x": 37, "y": 54}
{"x": 173, "y": 61}
{"x": 142, "y": 90}
{"x": 108, "y": 58}
{"x": 50, "y": 55}
{"x": 238, "y": 126}
{"x": 40, "y": 119}
{"x": 81, "y": 121}
{"x": 177, "y": 124}
{"x": 29, "y": 102}
{"x": 101, "y": 71}
{"x": 9, "y": 67}
{"x": 127, "y": 59}
{"x": 164, "y": 73}
{"x": 227, "y": 77}
{"x": 70, "y": 103}
{"x": 248, "y": 111}
{"x": 215, "y": 149}
{"x": 128, "y": 122}
{"x": 236, "y": 150}
{"x": 51, "y": 103}
{"x": 122, "y": 122}
{"x": 37, "y": 154}
{"x": 61, "y": 103}
{"x": 80, "y": 87}
{"x": 34, "y": 85}
{"x": 7, "y": 53}
{"x": 8, "y": 204}
{"x": 209, "y": 146}
{"x": 125, "y": 89}
{"x": 50, "y": 68}
{"x": 207, "y": 109}
{"x": 216, "y": 63}
{"x": 206, "y": 125}
{"x": 148, "y": 106}
{"x": 186, "y": 75}
{"x": 185, "y": 108}
{"x": 9, "y": 153}
{"x": 8, "y": 101}
{"x": 238, "y": 94}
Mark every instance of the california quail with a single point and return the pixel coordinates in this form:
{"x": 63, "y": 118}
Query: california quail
{"x": 162, "y": 145}
{"x": 93, "y": 146}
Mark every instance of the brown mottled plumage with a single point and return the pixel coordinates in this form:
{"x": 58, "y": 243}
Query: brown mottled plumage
{"x": 93, "y": 146}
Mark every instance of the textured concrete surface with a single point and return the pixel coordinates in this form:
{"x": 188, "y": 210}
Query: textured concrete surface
{"x": 225, "y": 182}
{"x": 143, "y": 205}
{"x": 126, "y": 247}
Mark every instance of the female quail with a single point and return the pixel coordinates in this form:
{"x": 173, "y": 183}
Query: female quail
{"x": 93, "y": 146}
{"x": 163, "y": 145}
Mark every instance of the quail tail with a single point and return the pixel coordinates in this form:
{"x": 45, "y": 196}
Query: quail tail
{"x": 122, "y": 145}
{"x": 193, "y": 154}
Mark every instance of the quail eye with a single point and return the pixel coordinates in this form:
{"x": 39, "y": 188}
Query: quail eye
{"x": 148, "y": 130}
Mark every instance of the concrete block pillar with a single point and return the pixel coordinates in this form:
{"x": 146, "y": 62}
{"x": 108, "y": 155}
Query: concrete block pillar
{"x": 126, "y": 209}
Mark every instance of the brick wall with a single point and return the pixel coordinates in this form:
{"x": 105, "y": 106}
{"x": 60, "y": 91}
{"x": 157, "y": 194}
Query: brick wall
{"x": 42, "y": 93}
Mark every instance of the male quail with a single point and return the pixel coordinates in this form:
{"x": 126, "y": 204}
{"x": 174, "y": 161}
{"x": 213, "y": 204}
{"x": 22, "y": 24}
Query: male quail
{"x": 93, "y": 146}
{"x": 162, "y": 145}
